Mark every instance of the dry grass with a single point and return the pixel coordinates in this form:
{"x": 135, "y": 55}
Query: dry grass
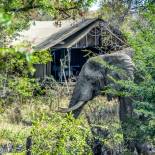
{"x": 17, "y": 118}
{"x": 48, "y": 104}
{"x": 99, "y": 111}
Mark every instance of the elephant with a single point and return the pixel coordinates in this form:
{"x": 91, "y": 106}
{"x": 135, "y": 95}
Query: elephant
{"x": 101, "y": 72}
{"x": 96, "y": 75}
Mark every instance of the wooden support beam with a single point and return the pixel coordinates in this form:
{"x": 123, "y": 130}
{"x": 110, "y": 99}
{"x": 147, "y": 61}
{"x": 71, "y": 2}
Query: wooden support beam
{"x": 86, "y": 40}
{"x": 69, "y": 60}
{"x": 95, "y": 37}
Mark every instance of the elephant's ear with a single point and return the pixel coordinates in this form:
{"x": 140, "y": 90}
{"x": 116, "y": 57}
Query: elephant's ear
{"x": 93, "y": 69}
{"x": 129, "y": 66}
{"x": 124, "y": 62}
{"x": 128, "y": 51}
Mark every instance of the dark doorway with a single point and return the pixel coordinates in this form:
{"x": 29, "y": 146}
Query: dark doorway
{"x": 78, "y": 56}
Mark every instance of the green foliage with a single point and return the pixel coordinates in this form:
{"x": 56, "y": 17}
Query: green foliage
{"x": 52, "y": 134}
{"x": 114, "y": 138}
{"x": 58, "y": 135}
{"x": 22, "y": 86}
{"x": 142, "y": 39}
{"x": 5, "y": 19}
{"x": 16, "y": 68}
{"x": 16, "y": 65}
{"x": 116, "y": 12}
{"x": 15, "y": 138}
{"x": 22, "y": 12}
{"x": 113, "y": 11}
{"x": 41, "y": 57}
{"x": 140, "y": 32}
{"x": 65, "y": 135}
{"x": 16, "y": 71}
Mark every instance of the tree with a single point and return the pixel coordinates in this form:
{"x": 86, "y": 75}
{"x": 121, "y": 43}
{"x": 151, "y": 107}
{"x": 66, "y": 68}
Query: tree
{"x": 116, "y": 11}
{"x": 17, "y": 64}
{"x": 21, "y": 12}
{"x": 139, "y": 29}
{"x": 141, "y": 38}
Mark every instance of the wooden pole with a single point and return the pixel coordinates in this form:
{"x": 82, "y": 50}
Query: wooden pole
{"x": 86, "y": 40}
{"x": 64, "y": 76}
{"x": 95, "y": 37}
{"x": 28, "y": 145}
{"x": 69, "y": 65}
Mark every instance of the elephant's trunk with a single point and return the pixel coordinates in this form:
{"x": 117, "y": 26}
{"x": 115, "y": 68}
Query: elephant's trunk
{"x": 73, "y": 108}
{"x": 82, "y": 93}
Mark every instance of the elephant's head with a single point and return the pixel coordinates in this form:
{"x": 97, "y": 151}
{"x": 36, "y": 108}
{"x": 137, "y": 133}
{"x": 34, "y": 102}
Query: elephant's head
{"x": 94, "y": 77}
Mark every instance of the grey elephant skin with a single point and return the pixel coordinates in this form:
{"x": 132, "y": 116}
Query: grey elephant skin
{"x": 96, "y": 75}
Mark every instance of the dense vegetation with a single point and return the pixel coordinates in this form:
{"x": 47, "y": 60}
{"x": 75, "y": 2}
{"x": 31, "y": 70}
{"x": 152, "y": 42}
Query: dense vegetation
{"x": 144, "y": 59}
{"x": 56, "y": 133}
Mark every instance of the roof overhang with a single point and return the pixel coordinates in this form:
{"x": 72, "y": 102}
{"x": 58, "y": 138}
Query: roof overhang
{"x": 76, "y": 37}
{"x": 68, "y": 37}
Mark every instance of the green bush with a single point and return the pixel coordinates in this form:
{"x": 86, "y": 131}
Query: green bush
{"x": 142, "y": 39}
{"x": 60, "y": 135}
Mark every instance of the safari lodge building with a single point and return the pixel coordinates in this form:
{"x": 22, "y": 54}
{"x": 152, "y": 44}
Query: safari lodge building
{"x": 70, "y": 44}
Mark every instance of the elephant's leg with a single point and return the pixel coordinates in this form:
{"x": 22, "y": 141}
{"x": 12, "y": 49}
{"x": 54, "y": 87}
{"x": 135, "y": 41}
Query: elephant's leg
{"x": 125, "y": 108}
{"x": 125, "y": 114}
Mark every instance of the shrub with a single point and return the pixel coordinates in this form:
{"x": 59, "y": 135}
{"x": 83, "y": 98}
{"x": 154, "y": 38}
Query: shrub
{"x": 60, "y": 135}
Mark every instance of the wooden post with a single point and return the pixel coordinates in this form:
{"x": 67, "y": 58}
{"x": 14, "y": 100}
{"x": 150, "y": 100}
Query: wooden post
{"x": 28, "y": 145}
{"x": 63, "y": 72}
{"x": 86, "y": 40}
{"x": 62, "y": 64}
{"x": 55, "y": 72}
{"x": 101, "y": 35}
{"x": 69, "y": 60}
{"x": 95, "y": 37}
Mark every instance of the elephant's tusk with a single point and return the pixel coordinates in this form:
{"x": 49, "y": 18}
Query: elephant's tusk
{"x": 75, "y": 107}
